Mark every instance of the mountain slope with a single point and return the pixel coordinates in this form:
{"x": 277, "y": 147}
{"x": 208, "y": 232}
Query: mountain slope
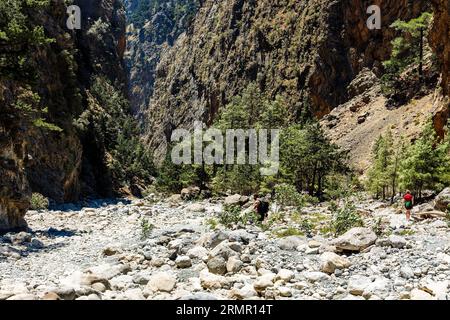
{"x": 308, "y": 51}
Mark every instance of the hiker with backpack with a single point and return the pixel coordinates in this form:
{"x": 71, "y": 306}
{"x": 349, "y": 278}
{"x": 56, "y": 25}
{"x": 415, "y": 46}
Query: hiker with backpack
{"x": 261, "y": 206}
{"x": 409, "y": 204}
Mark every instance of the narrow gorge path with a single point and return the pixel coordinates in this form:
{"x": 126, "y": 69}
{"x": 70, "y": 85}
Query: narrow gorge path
{"x": 99, "y": 252}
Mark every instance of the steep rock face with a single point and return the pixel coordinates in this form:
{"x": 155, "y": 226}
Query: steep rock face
{"x": 14, "y": 188}
{"x": 152, "y": 26}
{"x": 308, "y": 51}
{"x": 57, "y": 163}
{"x": 440, "y": 41}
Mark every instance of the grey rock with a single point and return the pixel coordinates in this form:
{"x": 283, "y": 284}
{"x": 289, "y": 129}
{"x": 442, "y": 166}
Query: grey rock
{"x": 183, "y": 262}
{"x": 290, "y": 243}
{"x": 397, "y": 241}
{"x": 356, "y": 239}
{"x": 442, "y": 201}
{"x": 217, "y": 265}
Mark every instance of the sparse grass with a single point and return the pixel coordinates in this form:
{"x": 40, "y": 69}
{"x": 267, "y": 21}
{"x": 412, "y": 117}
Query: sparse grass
{"x": 288, "y": 232}
{"x": 326, "y": 230}
{"x": 310, "y": 224}
{"x": 318, "y": 218}
{"x": 38, "y": 202}
{"x": 146, "y": 228}
{"x": 406, "y": 233}
{"x": 212, "y": 223}
{"x": 276, "y": 217}
{"x": 378, "y": 227}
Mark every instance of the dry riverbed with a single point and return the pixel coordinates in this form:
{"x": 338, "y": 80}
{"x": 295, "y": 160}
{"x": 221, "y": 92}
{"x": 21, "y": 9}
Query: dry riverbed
{"x": 170, "y": 250}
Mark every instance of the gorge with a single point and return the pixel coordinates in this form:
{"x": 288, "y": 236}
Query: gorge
{"x": 89, "y": 114}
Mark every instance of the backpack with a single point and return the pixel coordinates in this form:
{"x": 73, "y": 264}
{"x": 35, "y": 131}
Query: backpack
{"x": 263, "y": 207}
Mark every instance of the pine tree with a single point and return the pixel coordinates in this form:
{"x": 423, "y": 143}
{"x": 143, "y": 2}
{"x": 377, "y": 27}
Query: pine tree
{"x": 308, "y": 157}
{"x": 407, "y": 49}
{"x": 383, "y": 175}
{"x": 426, "y": 163}
{"x": 251, "y": 110}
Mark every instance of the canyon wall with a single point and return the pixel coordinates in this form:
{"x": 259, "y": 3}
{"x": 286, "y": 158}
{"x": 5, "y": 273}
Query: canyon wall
{"x": 60, "y": 164}
{"x": 306, "y": 51}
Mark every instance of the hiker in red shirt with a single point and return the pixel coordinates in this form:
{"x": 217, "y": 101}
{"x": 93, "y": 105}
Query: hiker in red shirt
{"x": 409, "y": 204}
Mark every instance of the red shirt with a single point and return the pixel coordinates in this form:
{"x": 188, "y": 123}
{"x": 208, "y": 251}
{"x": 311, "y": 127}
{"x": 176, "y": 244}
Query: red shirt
{"x": 408, "y": 197}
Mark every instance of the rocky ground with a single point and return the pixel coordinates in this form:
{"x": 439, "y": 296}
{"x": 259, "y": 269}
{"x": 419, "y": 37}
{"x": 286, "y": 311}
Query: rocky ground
{"x": 170, "y": 249}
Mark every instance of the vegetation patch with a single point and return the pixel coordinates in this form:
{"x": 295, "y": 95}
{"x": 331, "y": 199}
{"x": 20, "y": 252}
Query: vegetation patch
{"x": 39, "y": 202}
{"x": 345, "y": 217}
{"x": 290, "y": 231}
{"x": 146, "y": 228}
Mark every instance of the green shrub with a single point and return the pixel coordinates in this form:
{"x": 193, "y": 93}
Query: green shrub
{"x": 378, "y": 227}
{"x": 287, "y": 196}
{"x": 146, "y": 228}
{"x": 232, "y": 215}
{"x": 345, "y": 217}
{"x": 306, "y": 226}
{"x": 212, "y": 223}
{"x": 38, "y": 202}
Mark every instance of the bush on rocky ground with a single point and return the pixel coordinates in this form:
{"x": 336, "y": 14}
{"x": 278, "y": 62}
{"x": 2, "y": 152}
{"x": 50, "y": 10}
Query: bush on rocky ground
{"x": 38, "y": 202}
{"x": 232, "y": 215}
{"x": 345, "y": 217}
{"x": 286, "y": 195}
{"x": 146, "y": 228}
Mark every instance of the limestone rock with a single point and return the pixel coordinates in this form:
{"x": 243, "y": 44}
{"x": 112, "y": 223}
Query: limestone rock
{"x": 196, "y": 207}
{"x": 264, "y": 282}
{"x": 190, "y": 193}
{"x": 212, "y": 281}
{"x": 285, "y": 275}
{"x": 356, "y": 239}
{"x": 397, "y": 241}
{"x": 232, "y": 200}
{"x": 197, "y": 252}
{"x": 442, "y": 201}
{"x": 162, "y": 281}
{"x": 357, "y": 284}
{"x": 234, "y": 264}
{"x": 290, "y": 243}
{"x": 183, "y": 262}
{"x": 217, "y": 265}
{"x": 246, "y": 292}
{"x": 51, "y": 296}
{"x": 330, "y": 261}
{"x": 314, "y": 276}
{"x": 23, "y": 296}
{"x": 417, "y": 294}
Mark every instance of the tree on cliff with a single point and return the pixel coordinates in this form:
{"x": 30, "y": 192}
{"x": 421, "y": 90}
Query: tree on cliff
{"x": 20, "y": 39}
{"x": 407, "y": 49}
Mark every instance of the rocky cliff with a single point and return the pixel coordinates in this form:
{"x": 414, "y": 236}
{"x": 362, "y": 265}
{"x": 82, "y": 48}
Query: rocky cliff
{"x": 440, "y": 40}
{"x": 53, "y": 157}
{"x": 308, "y": 51}
{"x": 152, "y": 26}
